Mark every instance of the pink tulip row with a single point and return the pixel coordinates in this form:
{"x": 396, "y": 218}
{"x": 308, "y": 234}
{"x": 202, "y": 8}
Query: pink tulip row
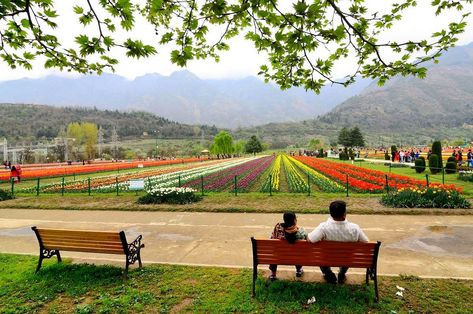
{"x": 244, "y": 183}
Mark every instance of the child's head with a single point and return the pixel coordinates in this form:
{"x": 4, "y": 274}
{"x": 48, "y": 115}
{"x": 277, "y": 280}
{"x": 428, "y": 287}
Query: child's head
{"x": 338, "y": 210}
{"x": 289, "y": 219}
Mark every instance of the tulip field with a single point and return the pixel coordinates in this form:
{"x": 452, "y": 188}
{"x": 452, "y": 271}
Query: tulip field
{"x": 265, "y": 174}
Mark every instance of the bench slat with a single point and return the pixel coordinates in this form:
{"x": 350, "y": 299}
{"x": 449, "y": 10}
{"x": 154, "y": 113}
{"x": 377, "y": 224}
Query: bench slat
{"x": 70, "y": 239}
{"x": 79, "y": 234}
{"x": 52, "y": 244}
{"x": 87, "y": 249}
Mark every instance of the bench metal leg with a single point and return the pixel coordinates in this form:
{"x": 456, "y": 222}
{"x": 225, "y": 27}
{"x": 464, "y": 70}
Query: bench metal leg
{"x": 255, "y": 274}
{"x": 367, "y": 279}
{"x": 45, "y": 253}
{"x": 376, "y": 285}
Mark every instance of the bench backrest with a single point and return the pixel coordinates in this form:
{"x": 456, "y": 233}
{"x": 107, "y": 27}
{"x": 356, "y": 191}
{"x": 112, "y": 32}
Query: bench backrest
{"x": 82, "y": 240}
{"x": 324, "y": 253}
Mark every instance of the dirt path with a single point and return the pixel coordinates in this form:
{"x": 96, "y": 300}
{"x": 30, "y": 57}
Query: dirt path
{"x": 434, "y": 246}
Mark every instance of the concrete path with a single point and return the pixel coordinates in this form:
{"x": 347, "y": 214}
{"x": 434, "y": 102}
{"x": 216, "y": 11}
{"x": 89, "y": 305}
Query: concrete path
{"x": 427, "y": 246}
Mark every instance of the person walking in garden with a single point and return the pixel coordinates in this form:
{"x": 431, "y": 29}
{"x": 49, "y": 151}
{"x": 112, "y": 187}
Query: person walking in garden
{"x": 290, "y": 231}
{"x": 15, "y": 173}
{"x": 337, "y": 228}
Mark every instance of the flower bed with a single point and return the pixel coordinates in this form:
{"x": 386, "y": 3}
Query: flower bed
{"x": 424, "y": 197}
{"x": 274, "y": 172}
{"x": 171, "y": 195}
{"x": 295, "y": 180}
{"x": 362, "y": 179}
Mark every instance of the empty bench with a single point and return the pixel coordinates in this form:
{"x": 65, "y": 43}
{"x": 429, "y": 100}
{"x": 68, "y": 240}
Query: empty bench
{"x": 52, "y": 241}
{"x": 324, "y": 253}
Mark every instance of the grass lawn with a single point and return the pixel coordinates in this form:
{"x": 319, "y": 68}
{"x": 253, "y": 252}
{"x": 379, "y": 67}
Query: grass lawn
{"x": 224, "y": 202}
{"x": 83, "y": 288}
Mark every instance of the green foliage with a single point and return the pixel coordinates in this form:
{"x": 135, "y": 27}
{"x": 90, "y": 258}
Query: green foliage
{"x": 4, "y": 195}
{"x": 169, "y": 196}
{"x": 465, "y": 175}
{"x": 451, "y": 167}
{"x": 351, "y": 137}
{"x": 305, "y": 40}
{"x": 46, "y": 122}
{"x": 386, "y": 156}
{"x": 433, "y": 164}
{"x": 253, "y": 145}
{"x": 223, "y": 144}
{"x": 451, "y": 159}
{"x": 420, "y": 164}
{"x": 343, "y": 155}
{"x": 321, "y": 153}
{"x": 425, "y": 198}
{"x": 437, "y": 150}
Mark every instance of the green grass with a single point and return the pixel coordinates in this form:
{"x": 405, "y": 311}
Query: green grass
{"x": 83, "y": 288}
{"x": 317, "y": 203}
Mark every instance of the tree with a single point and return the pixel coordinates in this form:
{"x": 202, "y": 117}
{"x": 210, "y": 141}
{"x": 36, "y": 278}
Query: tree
{"x": 315, "y": 144}
{"x": 223, "y": 144}
{"x": 344, "y": 137}
{"x": 253, "y": 145}
{"x": 89, "y": 134}
{"x": 302, "y": 42}
{"x": 240, "y": 147}
{"x": 357, "y": 138}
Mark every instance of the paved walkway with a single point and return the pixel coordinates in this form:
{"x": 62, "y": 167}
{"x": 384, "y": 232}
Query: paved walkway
{"x": 430, "y": 246}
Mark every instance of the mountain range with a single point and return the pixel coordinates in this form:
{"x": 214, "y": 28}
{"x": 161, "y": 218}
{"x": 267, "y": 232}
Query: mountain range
{"x": 182, "y": 97}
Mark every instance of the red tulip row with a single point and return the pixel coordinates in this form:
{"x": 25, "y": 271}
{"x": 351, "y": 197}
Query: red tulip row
{"x": 364, "y": 179}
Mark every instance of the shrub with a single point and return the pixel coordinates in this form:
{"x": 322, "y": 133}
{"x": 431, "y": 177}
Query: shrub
{"x": 4, "y": 195}
{"x": 321, "y": 153}
{"x": 169, "y": 195}
{"x": 393, "y": 151}
{"x": 420, "y": 164}
{"x": 465, "y": 175}
{"x": 351, "y": 154}
{"x": 437, "y": 150}
{"x": 433, "y": 164}
{"x": 451, "y": 158}
{"x": 386, "y": 156}
{"x": 451, "y": 167}
{"x": 425, "y": 198}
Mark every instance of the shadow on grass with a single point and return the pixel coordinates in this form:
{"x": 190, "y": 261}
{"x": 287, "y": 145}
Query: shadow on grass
{"x": 294, "y": 296}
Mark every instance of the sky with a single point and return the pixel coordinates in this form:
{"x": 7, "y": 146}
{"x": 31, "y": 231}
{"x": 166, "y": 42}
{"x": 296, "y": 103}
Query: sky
{"x": 242, "y": 60}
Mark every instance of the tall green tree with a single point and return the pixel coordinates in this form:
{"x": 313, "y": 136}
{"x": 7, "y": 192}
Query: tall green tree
{"x": 253, "y": 145}
{"x": 240, "y": 147}
{"x": 90, "y": 134}
{"x": 344, "y": 137}
{"x": 356, "y": 137}
{"x": 223, "y": 144}
{"x": 305, "y": 39}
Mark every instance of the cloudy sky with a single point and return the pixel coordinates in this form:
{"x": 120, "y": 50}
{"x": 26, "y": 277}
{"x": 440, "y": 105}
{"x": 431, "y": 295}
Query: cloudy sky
{"x": 242, "y": 60}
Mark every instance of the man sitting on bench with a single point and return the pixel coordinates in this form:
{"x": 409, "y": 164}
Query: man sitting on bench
{"x": 337, "y": 228}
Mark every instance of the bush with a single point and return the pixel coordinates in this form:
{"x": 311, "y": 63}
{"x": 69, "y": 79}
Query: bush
{"x": 343, "y": 156}
{"x": 169, "y": 195}
{"x": 321, "y": 153}
{"x": 451, "y": 158}
{"x": 465, "y": 175}
{"x": 437, "y": 150}
{"x": 425, "y": 198}
{"x": 4, "y": 195}
{"x": 433, "y": 164}
{"x": 420, "y": 164}
{"x": 451, "y": 167}
{"x": 386, "y": 156}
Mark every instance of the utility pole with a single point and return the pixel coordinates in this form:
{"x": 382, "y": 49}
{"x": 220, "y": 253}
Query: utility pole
{"x": 5, "y": 150}
{"x": 100, "y": 141}
{"x": 115, "y": 141}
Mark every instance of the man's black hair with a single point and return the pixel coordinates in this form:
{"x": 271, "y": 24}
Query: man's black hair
{"x": 338, "y": 209}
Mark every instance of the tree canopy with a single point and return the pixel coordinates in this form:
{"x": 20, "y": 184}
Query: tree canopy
{"x": 302, "y": 41}
{"x": 253, "y": 145}
{"x": 351, "y": 137}
{"x": 223, "y": 144}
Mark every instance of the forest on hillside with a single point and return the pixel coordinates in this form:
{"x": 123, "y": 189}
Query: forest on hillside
{"x": 20, "y": 123}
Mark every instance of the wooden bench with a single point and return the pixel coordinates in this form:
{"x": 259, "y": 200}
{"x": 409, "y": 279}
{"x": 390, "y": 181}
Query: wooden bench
{"x": 324, "y": 253}
{"x": 52, "y": 241}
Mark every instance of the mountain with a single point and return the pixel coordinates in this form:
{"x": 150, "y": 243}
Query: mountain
{"x": 181, "y": 97}
{"x": 404, "y": 110}
{"x": 32, "y": 122}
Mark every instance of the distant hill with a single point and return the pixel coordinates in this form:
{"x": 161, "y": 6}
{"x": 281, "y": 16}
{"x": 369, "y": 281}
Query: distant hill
{"x": 405, "y": 110}
{"x": 29, "y": 122}
{"x": 182, "y": 97}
